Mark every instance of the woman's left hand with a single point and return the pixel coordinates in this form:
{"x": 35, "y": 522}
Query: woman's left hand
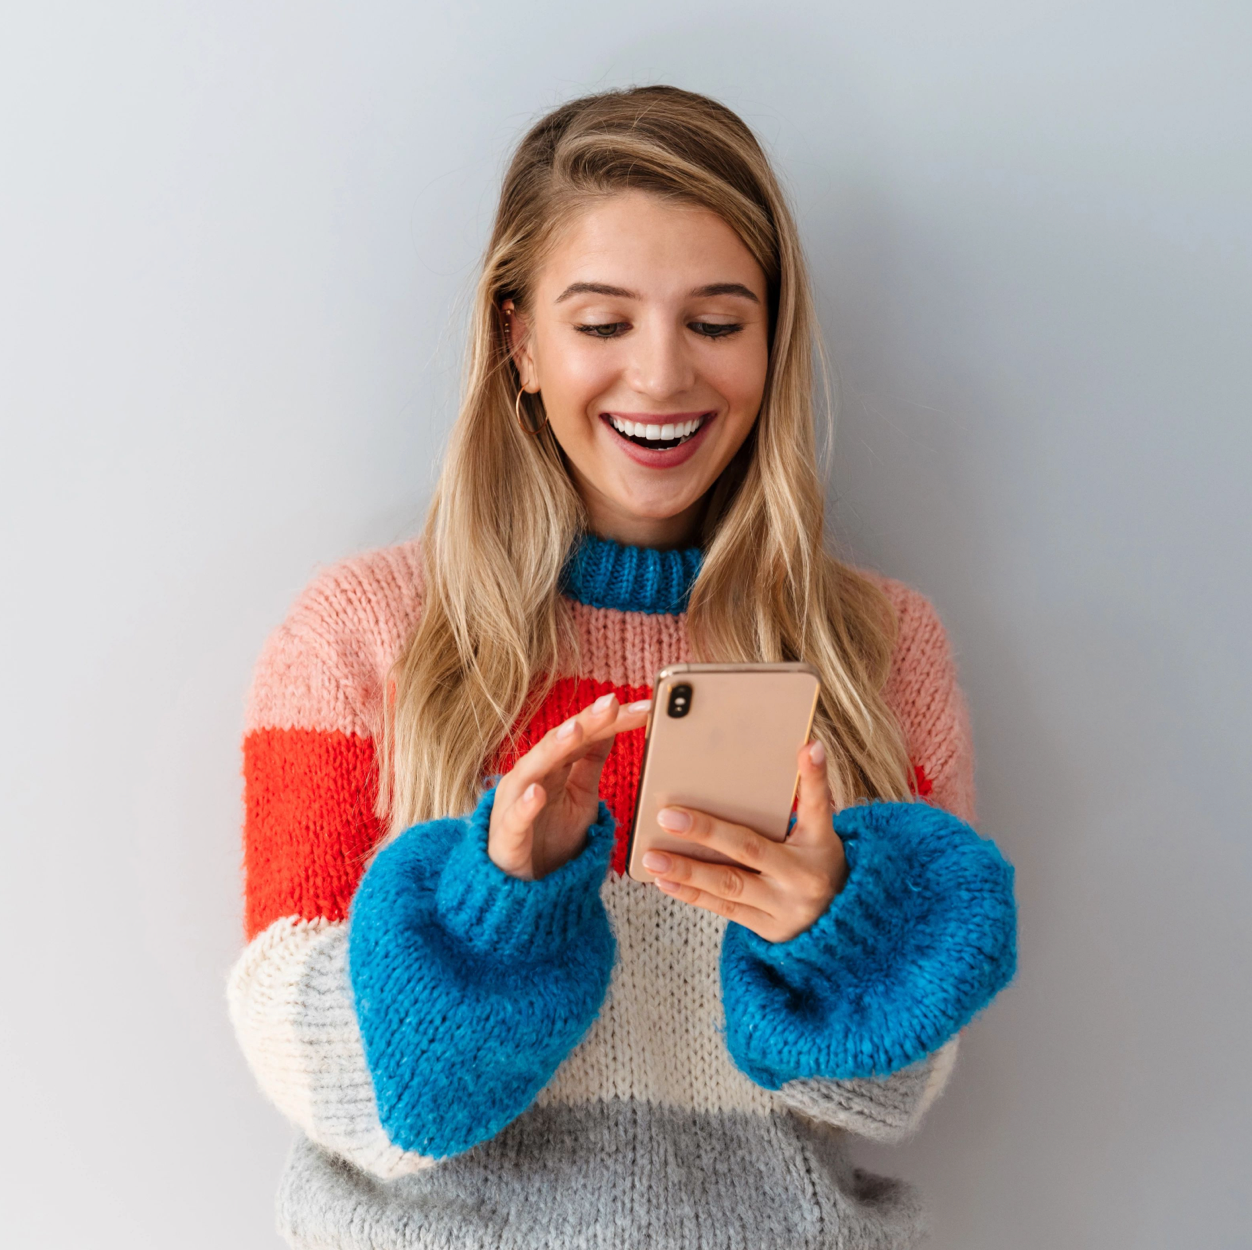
{"x": 782, "y": 887}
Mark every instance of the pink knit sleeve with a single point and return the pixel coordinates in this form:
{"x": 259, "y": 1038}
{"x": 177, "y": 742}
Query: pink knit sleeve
{"x": 922, "y": 690}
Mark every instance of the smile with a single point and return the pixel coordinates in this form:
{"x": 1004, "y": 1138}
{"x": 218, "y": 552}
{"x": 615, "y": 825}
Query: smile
{"x": 657, "y": 436}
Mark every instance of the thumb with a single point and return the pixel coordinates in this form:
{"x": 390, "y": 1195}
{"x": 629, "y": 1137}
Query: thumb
{"x": 511, "y": 837}
{"x": 814, "y": 807}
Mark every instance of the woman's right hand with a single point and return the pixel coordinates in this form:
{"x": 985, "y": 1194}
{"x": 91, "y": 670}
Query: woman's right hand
{"x": 545, "y": 804}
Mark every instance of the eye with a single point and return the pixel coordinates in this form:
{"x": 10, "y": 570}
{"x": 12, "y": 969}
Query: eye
{"x": 715, "y": 329}
{"x": 604, "y": 330}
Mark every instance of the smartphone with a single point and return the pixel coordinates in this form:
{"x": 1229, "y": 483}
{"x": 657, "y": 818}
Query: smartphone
{"x": 723, "y": 739}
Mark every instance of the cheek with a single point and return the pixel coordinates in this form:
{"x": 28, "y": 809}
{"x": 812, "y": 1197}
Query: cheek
{"x": 574, "y": 375}
{"x": 739, "y": 376}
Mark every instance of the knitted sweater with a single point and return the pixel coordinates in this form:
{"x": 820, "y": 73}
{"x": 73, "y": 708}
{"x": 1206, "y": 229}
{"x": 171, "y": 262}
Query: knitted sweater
{"x": 477, "y": 1061}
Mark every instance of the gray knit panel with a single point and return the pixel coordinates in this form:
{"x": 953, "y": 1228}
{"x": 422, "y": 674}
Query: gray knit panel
{"x": 617, "y": 1175}
{"x": 885, "y": 1110}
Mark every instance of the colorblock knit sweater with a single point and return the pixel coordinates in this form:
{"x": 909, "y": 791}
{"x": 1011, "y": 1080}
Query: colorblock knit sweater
{"x": 477, "y": 1061}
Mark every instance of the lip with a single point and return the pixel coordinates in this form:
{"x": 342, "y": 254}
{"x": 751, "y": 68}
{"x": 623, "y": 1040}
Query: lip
{"x": 659, "y": 458}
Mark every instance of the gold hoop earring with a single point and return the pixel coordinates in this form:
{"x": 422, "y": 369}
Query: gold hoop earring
{"x": 524, "y": 422}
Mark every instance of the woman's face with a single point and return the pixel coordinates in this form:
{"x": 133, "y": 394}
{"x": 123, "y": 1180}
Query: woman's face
{"x": 647, "y": 337}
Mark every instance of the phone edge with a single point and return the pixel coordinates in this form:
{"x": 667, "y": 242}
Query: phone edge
{"x": 671, "y": 670}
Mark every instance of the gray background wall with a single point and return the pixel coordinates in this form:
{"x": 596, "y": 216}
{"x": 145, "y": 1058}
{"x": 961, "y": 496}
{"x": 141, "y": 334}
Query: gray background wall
{"x": 235, "y": 241}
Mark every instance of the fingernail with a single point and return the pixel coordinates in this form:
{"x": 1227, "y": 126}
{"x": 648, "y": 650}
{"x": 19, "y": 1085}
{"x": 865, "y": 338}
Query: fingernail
{"x": 602, "y": 703}
{"x": 531, "y": 791}
{"x": 817, "y": 753}
{"x": 672, "y": 819}
{"x": 642, "y": 706}
{"x": 654, "y": 861}
{"x": 565, "y": 730}
{"x": 670, "y": 887}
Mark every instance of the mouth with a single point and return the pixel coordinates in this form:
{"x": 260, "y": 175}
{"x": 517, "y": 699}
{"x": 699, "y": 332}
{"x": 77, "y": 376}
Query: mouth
{"x": 661, "y": 433}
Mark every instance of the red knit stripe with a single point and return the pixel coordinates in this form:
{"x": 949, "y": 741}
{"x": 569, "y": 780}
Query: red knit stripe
{"x": 621, "y": 769}
{"x": 923, "y": 787}
{"x": 309, "y": 822}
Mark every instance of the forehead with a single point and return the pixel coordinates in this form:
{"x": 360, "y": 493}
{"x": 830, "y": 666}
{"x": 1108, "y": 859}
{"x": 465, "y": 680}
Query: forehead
{"x": 647, "y": 244}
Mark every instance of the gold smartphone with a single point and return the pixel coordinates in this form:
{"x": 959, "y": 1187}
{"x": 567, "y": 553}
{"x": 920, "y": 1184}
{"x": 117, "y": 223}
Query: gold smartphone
{"x": 722, "y": 739}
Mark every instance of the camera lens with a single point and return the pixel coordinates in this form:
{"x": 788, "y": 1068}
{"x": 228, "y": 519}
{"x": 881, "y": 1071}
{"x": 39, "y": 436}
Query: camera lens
{"x": 679, "y": 700}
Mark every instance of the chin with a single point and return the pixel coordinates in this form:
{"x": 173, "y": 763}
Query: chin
{"x": 659, "y": 510}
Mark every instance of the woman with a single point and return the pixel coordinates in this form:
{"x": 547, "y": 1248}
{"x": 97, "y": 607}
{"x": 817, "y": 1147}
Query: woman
{"x": 486, "y": 1033}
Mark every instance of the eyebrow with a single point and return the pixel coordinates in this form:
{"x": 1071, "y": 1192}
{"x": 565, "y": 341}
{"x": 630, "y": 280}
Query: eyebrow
{"x": 727, "y": 288}
{"x": 595, "y": 288}
{"x": 603, "y": 288}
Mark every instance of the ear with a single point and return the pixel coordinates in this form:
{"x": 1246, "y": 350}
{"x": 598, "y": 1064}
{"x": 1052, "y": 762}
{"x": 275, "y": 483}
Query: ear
{"x": 517, "y": 336}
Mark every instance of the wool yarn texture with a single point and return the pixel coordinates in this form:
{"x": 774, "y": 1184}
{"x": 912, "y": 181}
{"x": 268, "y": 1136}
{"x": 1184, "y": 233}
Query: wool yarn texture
{"x": 582, "y": 1061}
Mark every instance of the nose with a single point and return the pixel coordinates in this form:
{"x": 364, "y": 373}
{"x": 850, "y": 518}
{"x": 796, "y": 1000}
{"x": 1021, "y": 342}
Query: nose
{"x": 660, "y": 365}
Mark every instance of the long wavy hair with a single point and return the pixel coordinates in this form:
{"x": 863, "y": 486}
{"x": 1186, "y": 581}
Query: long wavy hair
{"x": 494, "y": 632}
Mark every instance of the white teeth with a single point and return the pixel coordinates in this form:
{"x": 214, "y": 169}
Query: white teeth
{"x": 656, "y": 433}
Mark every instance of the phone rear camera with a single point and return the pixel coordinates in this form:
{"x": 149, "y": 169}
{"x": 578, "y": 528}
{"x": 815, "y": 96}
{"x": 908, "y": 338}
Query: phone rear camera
{"x": 679, "y": 700}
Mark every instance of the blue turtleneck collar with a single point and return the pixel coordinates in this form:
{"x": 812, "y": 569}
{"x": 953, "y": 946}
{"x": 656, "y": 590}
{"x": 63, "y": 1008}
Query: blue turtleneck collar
{"x": 605, "y": 574}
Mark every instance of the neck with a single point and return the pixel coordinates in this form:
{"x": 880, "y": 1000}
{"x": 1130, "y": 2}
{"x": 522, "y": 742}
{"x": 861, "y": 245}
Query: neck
{"x": 680, "y": 530}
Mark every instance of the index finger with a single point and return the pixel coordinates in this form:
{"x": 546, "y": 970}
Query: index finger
{"x": 624, "y": 717}
{"x": 577, "y": 736}
{"x": 745, "y": 846}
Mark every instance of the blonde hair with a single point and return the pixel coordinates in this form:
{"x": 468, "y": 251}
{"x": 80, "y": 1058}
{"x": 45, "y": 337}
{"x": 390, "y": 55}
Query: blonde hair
{"x": 494, "y": 629}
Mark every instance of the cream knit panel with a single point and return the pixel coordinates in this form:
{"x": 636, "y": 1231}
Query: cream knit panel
{"x": 324, "y": 667}
{"x": 658, "y": 1037}
{"x": 291, "y": 1005}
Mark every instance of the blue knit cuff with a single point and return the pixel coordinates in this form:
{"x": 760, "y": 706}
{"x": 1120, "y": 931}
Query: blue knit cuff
{"x": 491, "y": 911}
{"x": 920, "y": 939}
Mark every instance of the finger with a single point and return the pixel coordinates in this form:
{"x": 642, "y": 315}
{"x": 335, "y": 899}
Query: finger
{"x": 724, "y": 881}
{"x": 511, "y": 836}
{"x": 557, "y": 747}
{"x": 584, "y": 775}
{"x": 600, "y": 723}
{"x": 745, "y": 846}
{"x": 561, "y": 747}
{"x": 750, "y": 917}
{"x": 606, "y": 717}
{"x": 550, "y": 760}
{"x": 814, "y": 806}
{"x": 597, "y": 722}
